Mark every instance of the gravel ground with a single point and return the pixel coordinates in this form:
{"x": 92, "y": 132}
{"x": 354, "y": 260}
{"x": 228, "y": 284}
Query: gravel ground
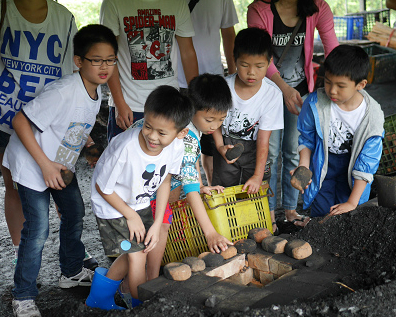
{"x": 361, "y": 247}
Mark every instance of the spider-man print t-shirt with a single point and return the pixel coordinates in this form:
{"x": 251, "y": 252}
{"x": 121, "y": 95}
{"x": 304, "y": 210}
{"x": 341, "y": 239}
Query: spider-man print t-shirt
{"x": 146, "y": 33}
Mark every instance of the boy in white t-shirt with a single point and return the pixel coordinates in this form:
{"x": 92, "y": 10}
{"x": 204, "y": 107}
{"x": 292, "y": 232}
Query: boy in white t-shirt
{"x": 51, "y": 130}
{"x": 136, "y": 164}
{"x": 341, "y": 130}
{"x": 257, "y": 109}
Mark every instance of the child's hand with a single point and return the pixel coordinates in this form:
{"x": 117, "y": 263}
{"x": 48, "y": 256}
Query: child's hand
{"x": 207, "y": 189}
{"x": 52, "y": 176}
{"x": 342, "y": 208}
{"x": 253, "y": 183}
{"x": 152, "y": 237}
{"x": 223, "y": 150}
{"x": 217, "y": 243}
{"x": 136, "y": 227}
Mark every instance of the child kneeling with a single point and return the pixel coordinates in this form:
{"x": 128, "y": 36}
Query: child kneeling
{"x": 341, "y": 130}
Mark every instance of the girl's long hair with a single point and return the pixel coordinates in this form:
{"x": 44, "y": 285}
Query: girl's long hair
{"x": 305, "y": 8}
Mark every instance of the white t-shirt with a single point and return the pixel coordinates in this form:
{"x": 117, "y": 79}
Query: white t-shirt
{"x": 147, "y": 54}
{"x": 133, "y": 175}
{"x": 62, "y": 118}
{"x": 32, "y": 55}
{"x": 263, "y": 111}
{"x": 208, "y": 17}
{"x": 343, "y": 125}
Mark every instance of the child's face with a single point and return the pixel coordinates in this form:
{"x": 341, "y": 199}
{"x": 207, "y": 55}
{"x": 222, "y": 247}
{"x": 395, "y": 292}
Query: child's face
{"x": 157, "y": 133}
{"x": 96, "y": 75}
{"x": 252, "y": 69}
{"x": 342, "y": 90}
{"x": 208, "y": 121}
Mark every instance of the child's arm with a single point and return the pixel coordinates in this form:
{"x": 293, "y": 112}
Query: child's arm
{"x": 221, "y": 148}
{"x": 51, "y": 170}
{"x": 206, "y": 189}
{"x": 216, "y": 242}
{"x": 262, "y": 147}
{"x": 188, "y": 57}
{"x": 163, "y": 191}
{"x": 357, "y": 191}
{"x": 125, "y": 115}
{"x": 135, "y": 224}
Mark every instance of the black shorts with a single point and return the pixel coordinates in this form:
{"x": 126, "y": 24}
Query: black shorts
{"x": 207, "y": 144}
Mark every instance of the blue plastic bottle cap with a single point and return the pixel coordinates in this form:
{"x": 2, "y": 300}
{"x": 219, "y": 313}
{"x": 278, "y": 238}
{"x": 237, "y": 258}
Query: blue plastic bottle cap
{"x": 125, "y": 245}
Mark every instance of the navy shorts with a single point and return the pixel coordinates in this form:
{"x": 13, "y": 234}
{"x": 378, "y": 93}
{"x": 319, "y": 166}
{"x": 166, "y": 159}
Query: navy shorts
{"x": 335, "y": 188}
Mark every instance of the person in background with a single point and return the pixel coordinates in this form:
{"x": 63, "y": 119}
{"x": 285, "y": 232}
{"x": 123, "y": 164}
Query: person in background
{"x": 40, "y": 61}
{"x": 147, "y": 32}
{"x": 293, "y": 74}
{"x": 208, "y": 17}
{"x": 341, "y": 130}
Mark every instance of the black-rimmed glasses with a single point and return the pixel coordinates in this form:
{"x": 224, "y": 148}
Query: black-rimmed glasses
{"x": 99, "y": 62}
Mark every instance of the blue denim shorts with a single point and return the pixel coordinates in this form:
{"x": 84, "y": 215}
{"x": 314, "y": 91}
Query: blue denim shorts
{"x": 4, "y": 139}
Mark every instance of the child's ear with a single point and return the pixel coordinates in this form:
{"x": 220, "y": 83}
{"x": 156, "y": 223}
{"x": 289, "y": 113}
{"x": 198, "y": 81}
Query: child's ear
{"x": 182, "y": 133}
{"x": 362, "y": 84}
{"x": 78, "y": 61}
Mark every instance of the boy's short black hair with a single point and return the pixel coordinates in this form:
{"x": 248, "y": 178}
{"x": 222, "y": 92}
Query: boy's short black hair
{"x": 210, "y": 92}
{"x": 348, "y": 60}
{"x": 253, "y": 41}
{"x": 167, "y": 102}
{"x": 92, "y": 34}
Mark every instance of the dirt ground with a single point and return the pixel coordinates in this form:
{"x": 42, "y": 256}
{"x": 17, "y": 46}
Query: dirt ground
{"x": 361, "y": 248}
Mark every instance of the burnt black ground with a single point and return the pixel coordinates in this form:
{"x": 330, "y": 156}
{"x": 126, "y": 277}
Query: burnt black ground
{"x": 360, "y": 247}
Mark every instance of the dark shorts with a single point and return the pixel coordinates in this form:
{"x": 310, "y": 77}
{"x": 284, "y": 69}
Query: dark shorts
{"x": 239, "y": 172}
{"x": 112, "y": 128}
{"x": 207, "y": 144}
{"x": 4, "y": 139}
{"x": 335, "y": 187}
{"x": 168, "y": 212}
{"x": 115, "y": 234}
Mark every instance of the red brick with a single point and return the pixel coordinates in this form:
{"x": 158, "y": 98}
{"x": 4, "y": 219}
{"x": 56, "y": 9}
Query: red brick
{"x": 229, "y": 253}
{"x": 242, "y": 278}
{"x": 259, "y": 234}
{"x": 245, "y": 245}
{"x": 231, "y": 267}
{"x": 203, "y": 254}
{"x": 213, "y": 259}
{"x": 195, "y": 264}
{"x": 298, "y": 249}
{"x": 274, "y": 244}
{"x": 177, "y": 271}
{"x": 259, "y": 261}
{"x": 266, "y": 277}
{"x": 279, "y": 268}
